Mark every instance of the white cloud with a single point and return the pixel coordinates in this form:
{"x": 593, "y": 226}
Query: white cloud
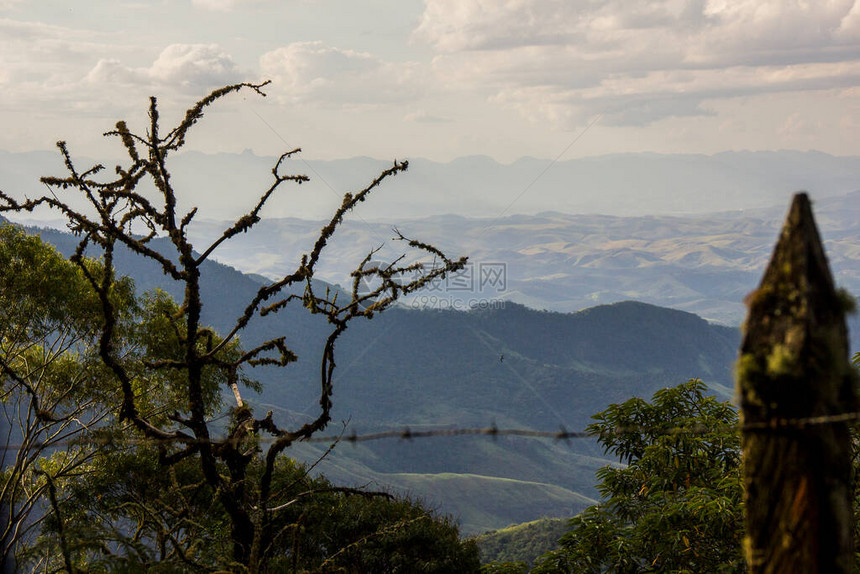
{"x": 849, "y": 27}
{"x": 454, "y": 25}
{"x": 305, "y": 72}
{"x": 795, "y": 125}
{"x": 229, "y": 5}
{"x": 194, "y": 65}
{"x": 10, "y": 4}
{"x": 773, "y": 32}
{"x": 219, "y": 5}
{"x": 111, "y": 71}
{"x": 186, "y": 67}
{"x": 45, "y": 67}
{"x": 34, "y": 51}
{"x": 422, "y": 117}
{"x": 61, "y": 71}
{"x": 224, "y": 5}
{"x": 638, "y": 61}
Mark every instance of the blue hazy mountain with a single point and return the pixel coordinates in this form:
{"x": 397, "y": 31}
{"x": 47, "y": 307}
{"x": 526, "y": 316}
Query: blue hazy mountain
{"x": 477, "y": 186}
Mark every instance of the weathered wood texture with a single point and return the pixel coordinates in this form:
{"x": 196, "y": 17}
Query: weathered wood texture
{"x": 793, "y": 367}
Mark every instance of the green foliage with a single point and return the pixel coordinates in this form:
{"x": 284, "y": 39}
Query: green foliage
{"x": 521, "y": 543}
{"x": 40, "y": 291}
{"x": 52, "y": 384}
{"x": 674, "y": 504}
{"x": 518, "y": 567}
{"x": 360, "y": 533}
{"x": 126, "y": 513}
{"x": 158, "y": 338}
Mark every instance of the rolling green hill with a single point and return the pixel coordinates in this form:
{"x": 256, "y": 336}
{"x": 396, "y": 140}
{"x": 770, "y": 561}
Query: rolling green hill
{"x": 521, "y": 542}
{"x": 512, "y": 498}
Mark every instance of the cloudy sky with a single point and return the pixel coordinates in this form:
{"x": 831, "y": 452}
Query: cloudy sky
{"x": 440, "y": 78}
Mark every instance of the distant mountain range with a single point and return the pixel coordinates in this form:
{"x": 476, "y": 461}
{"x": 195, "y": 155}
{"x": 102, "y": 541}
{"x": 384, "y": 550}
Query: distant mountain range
{"x": 691, "y": 232}
{"x": 704, "y": 264}
{"x": 224, "y": 185}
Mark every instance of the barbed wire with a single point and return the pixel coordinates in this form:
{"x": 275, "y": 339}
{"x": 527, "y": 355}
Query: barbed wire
{"x": 406, "y": 433}
{"x": 403, "y": 434}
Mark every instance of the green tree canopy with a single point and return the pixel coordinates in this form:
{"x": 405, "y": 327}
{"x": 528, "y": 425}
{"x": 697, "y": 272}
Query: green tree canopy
{"x": 673, "y": 503}
{"x": 52, "y": 383}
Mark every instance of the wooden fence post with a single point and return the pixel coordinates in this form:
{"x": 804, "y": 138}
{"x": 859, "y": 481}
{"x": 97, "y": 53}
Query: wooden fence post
{"x": 796, "y": 389}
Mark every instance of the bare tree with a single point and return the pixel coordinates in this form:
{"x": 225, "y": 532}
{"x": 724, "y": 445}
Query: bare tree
{"x": 119, "y": 205}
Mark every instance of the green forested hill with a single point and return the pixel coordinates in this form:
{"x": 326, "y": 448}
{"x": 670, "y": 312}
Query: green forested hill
{"x": 521, "y": 542}
{"x": 516, "y": 364}
{"x": 513, "y": 367}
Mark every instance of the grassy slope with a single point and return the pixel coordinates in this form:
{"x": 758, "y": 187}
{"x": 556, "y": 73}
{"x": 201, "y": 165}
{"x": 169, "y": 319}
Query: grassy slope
{"x": 510, "y": 498}
{"x": 521, "y": 542}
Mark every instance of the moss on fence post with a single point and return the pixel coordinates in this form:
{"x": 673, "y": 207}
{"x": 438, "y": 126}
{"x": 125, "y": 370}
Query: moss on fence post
{"x": 793, "y": 381}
